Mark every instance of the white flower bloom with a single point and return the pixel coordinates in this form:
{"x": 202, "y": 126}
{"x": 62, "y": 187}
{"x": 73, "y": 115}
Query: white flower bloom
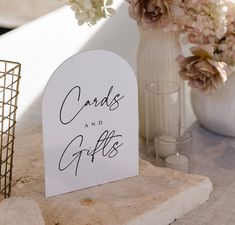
{"x": 90, "y": 11}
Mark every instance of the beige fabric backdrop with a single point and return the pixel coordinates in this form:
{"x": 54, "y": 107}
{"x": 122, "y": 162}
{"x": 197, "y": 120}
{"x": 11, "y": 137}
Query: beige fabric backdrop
{"x": 14, "y": 13}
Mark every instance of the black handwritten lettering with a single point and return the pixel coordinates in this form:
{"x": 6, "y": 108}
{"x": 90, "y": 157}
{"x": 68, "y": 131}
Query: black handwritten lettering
{"x": 74, "y": 155}
{"x": 103, "y": 142}
{"x": 111, "y": 102}
{"x": 74, "y": 150}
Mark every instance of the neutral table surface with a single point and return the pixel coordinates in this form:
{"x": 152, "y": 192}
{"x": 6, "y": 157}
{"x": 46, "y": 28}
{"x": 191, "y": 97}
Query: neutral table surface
{"x": 46, "y": 42}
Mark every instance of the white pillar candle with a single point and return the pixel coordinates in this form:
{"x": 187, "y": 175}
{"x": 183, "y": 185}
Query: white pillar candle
{"x": 178, "y": 162}
{"x": 165, "y": 146}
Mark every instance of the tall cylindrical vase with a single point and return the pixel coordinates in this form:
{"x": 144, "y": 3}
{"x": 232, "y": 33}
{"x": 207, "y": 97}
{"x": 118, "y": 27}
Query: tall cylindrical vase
{"x": 156, "y": 57}
{"x": 216, "y": 112}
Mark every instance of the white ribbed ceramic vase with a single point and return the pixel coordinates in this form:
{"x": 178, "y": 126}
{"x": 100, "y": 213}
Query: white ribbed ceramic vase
{"x": 217, "y": 112}
{"x": 156, "y": 57}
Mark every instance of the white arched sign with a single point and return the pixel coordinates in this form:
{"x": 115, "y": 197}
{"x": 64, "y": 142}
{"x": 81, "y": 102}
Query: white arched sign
{"x": 90, "y": 122}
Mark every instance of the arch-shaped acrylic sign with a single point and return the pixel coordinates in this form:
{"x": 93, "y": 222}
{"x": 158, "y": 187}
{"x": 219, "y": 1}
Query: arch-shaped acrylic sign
{"x": 90, "y": 122}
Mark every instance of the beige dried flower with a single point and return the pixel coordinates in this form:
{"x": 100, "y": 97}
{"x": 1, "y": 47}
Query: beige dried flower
{"x": 203, "y": 73}
{"x": 148, "y": 12}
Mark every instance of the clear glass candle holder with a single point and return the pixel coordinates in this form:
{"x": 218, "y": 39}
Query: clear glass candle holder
{"x": 162, "y": 109}
{"x": 173, "y": 147}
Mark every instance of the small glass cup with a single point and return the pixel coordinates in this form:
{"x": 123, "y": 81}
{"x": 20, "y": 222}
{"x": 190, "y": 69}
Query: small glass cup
{"x": 173, "y": 146}
{"x": 162, "y": 109}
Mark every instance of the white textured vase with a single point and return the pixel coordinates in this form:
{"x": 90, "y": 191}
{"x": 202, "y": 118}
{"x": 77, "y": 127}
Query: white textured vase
{"x": 217, "y": 112}
{"x": 156, "y": 57}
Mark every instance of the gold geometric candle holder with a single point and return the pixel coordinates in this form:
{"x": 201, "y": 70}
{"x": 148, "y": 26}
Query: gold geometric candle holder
{"x": 9, "y": 90}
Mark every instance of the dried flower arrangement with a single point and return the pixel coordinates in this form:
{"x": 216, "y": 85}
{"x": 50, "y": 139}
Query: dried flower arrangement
{"x": 208, "y": 25}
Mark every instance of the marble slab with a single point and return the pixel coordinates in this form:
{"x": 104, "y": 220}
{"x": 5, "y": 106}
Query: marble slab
{"x": 156, "y": 196}
{"x": 20, "y": 211}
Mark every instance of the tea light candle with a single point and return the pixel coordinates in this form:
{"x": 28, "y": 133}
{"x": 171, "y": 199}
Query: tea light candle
{"x": 165, "y": 145}
{"x": 178, "y": 162}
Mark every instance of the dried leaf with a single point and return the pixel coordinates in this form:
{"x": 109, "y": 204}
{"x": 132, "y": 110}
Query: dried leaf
{"x": 111, "y": 11}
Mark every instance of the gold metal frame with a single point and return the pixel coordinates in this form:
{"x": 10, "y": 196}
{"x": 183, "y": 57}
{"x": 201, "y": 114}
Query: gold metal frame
{"x": 9, "y": 90}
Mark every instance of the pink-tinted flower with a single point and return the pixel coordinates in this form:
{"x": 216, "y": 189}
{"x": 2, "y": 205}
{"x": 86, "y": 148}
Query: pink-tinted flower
{"x": 203, "y": 73}
{"x": 149, "y": 12}
{"x": 204, "y": 22}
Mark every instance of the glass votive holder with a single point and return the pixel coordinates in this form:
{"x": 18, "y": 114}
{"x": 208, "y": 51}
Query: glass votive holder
{"x": 162, "y": 109}
{"x": 173, "y": 146}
